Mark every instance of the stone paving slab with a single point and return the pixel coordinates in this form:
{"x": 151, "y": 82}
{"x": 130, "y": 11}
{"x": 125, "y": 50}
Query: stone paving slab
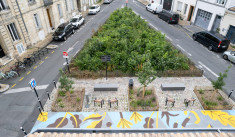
{"x": 137, "y": 120}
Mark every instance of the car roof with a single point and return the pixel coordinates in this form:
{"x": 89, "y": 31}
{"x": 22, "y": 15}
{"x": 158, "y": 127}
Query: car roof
{"x": 63, "y": 24}
{"x": 171, "y": 12}
{"x": 217, "y": 35}
{"x": 93, "y": 5}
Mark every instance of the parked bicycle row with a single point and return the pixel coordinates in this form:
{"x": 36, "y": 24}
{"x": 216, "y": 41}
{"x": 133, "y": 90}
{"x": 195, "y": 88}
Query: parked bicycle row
{"x": 21, "y": 65}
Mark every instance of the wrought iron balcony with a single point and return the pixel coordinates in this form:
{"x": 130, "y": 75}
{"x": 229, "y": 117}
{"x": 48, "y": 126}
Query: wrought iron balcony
{"x": 48, "y": 2}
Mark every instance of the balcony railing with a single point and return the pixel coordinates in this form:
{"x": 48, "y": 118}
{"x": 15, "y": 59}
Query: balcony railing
{"x": 48, "y": 2}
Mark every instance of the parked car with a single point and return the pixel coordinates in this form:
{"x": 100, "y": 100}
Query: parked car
{"x": 213, "y": 41}
{"x": 229, "y": 55}
{"x": 169, "y": 16}
{"x": 154, "y": 8}
{"x": 94, "y": 9}
{"x": 77, "y": 21}
{"x": 63, "y": 31}
{"x": 107, "y": 1}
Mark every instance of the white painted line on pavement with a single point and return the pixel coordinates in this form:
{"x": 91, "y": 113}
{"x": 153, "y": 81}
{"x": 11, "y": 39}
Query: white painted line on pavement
{"x": 180, "y": 47}
{"x": 24, "y": 89}
{"x": 168, "y": 38}
{"x": 189, "y": 54}
{"x": 153, "y": 26}
{"x": 208, "y": 69}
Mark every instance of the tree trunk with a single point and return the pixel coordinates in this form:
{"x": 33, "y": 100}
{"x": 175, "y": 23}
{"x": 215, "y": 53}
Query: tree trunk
{"x": 143, "y": 92}
{"x": 214, "y": 92}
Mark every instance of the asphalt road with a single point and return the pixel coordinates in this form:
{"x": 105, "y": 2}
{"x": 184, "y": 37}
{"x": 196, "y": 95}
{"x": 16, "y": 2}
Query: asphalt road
{"x": 211, "y": 62}
{"x": 19, "y": 105}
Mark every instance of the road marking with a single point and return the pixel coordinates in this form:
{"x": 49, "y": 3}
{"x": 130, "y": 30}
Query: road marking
{"x": 189, "y": 54}
{"x": 13, "y": 85}
{"x": 180, "y": 47}
{"x": 208, "y": 69}
{"x": 41, "y": 62}
{"x": 21, "y": 78}
{"x": 28, "y": 72}
{"x": 169, "y": 38}
{"x": 46, "y": 57}
{"x": 153, "y": 26}
{"x": 35, "y": 67}
{"x": 24, "y": 89}
{"x": 52, "y": 51}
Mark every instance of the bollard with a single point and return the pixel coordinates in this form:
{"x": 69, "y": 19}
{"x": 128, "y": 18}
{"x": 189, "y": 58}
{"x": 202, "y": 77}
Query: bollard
{"x": 48, "y": 95}
{"x": 131, "y": 83}
{"x": 166, "y": 101}
{"x": 40, "y": 110}
{"x": 23, "y": 130}
{"x": 230, "y": 94}
{"x": 40, "y": 104}
{"x": 173, "y": 103}
{"x": 54, "y": 83}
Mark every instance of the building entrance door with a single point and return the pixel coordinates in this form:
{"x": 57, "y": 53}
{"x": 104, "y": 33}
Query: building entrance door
{"x": 49, "y": 17}
{"x": 2, "y": 54}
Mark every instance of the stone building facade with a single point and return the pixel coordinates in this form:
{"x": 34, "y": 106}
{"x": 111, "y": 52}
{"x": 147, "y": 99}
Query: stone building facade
{"x": 28, "y": 23}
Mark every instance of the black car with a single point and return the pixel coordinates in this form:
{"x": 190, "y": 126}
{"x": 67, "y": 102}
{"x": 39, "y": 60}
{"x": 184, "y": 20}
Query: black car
{"x": 169, "y": 16}
{"x": 213, "y": 41}
{"x": 63, "y": 31}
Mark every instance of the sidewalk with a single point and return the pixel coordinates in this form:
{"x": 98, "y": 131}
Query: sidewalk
{"x": 136, "y": 120}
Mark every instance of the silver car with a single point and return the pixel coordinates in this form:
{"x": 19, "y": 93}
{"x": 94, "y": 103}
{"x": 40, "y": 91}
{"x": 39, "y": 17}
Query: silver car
{"x": 229, "y": 55}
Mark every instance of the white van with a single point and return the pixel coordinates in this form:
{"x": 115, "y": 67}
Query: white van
{"x": 107, "y": 1}
{"x": 154, "y": 8}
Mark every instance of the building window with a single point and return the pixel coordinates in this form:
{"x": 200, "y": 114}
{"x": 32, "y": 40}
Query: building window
{"x": 20, "y": 48}
{"x": 72, "y": 5}
{"x": 221, "y": 2}
{"x": 185, "y": 8}
{"x": 66, "y": 5}
{"x": 12, "y": 29}
{"x": 60, "y": 10}
{"x": 3, "y": 5}
{"x": 179, "y": 6}
{"x": 37, "y": 21}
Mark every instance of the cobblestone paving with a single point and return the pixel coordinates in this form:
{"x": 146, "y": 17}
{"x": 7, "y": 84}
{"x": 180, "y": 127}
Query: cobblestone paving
{"x": 122, "y": 93}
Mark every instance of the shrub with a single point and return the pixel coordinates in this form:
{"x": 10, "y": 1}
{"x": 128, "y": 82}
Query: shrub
{"x": 201, "y": 91}
{"x": 131, "y": 91}
{"x": 59, "y": 99}
{"x": 148, "y": 92}
{"x": 61, "y": 93}
{"x": 78, "y": 99}
{"x": 71, "y": 91}
{"x": 152, "y": 105}
{"x": 65, "y": 82}
{"x": 61, "y": 104}
{"x": 134, "y": 103}
{"x": 131, "y": 97}
{"x": 225, "y": 103}
{"x": 153, "y": 99}
{"x": 220, "y": 98}
{"x": 127, "y": 37}
{"x": 210, "y": 103}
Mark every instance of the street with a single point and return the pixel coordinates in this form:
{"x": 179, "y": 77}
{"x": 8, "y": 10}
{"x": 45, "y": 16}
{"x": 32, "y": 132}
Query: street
{"x": 19, "y": 104}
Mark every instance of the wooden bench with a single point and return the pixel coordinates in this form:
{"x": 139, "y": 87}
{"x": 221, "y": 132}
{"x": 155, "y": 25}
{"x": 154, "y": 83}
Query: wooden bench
{"x": 172, "y": 86}
{"x": 105, "y": 87}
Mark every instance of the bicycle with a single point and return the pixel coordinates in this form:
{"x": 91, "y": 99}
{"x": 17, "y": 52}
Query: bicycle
{"x": 8, "y": 74}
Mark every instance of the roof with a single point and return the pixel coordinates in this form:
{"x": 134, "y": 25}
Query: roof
{"x": 171, "y": 134}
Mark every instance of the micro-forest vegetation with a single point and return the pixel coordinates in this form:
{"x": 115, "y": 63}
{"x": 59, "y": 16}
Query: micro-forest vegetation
{"x": 128, "y": 38}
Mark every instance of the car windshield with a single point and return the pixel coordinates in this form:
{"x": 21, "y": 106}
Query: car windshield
{"x": 60, "y": 29}
{"x": 92, "y": 7}
{"x": 74, "y": 20}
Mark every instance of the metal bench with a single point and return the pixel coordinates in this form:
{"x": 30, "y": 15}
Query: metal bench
{"x": 172, "y": 86}
{"x": 105, "y": 87}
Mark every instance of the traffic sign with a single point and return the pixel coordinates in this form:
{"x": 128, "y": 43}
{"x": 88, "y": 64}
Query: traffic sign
{"x": 105, "y": 58}
{"x": 65, "y": 54}
{"x": 32, "y": 83}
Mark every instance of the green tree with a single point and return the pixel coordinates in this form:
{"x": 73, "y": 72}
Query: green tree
{"x": 219, "y": 83}
{"x": 146, "y": 75}
{"x": 65, "y": 82}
